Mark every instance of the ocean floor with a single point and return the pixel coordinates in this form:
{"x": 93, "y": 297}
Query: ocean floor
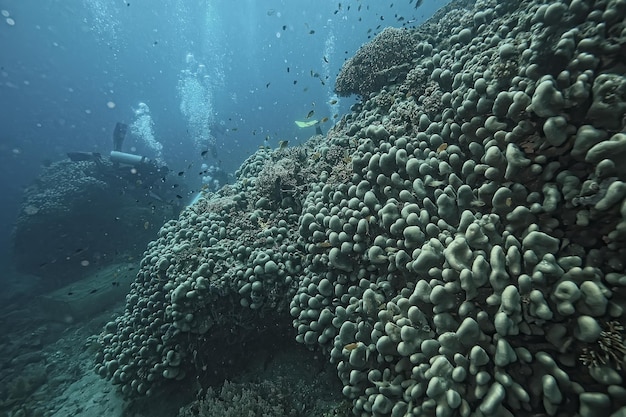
{"x": 46, "y": 366}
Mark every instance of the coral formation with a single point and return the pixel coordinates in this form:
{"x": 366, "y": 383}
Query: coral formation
{"x": 224, "y": 272}
{"x": 387, "y": 57}
{"x": 76, "y": 213}
{"x": 470, "y": 261}
{"x": 265, "y": 399}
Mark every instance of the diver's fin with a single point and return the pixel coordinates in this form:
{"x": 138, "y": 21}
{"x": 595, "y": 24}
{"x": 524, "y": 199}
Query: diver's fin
{"x": 83, "y": 156}
{"x": 308, "y": 123}
{"x": 118, "y": 136}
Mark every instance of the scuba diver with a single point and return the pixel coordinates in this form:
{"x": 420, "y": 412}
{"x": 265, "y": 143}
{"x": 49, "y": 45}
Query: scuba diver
{"x": 119, "y": 133}
{"x": 133, "y": 174}
{"x": 144, "y": 168}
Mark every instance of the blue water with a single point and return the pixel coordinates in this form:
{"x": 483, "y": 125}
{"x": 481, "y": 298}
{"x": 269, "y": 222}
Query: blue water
{"x": 186, "y": 75}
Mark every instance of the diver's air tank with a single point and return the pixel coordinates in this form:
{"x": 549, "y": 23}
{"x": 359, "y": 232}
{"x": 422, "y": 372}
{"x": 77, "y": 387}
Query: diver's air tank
{"x": 128, "y": 158}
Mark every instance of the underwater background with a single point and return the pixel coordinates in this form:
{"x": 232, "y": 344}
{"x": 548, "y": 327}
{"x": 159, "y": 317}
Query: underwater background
{"x": 360, "y": 208}
{"x": 244, "y": 73}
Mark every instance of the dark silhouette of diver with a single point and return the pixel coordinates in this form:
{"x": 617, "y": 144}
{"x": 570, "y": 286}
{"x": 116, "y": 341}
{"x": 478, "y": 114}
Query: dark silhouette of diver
{"x": 132, "y": 173}
{"x": 119, "y": 133}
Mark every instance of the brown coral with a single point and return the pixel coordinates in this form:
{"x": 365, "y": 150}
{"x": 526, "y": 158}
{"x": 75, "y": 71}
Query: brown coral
{"x": 377, "y": 63}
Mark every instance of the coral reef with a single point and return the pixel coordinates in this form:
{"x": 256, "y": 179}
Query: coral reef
{"x": 265, "y": 399}
{"x": 77, "y": 212}
{"x": 215, "y": 279}
{"x": 387, "y": 57}
{"x": 470, "y": 260}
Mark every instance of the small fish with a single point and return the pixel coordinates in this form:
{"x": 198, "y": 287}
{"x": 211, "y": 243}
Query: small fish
{"x": 284, "y": 27}
{"x": 442, "y": 147}
{"x": 325, "y": 244}
{"x": 311, "y": 32}
{"x": 508, "y": 201}
{"x": 287, "y": 69}
{"x": 333, "y": 101}
{"x": 282, "y": 144}
{"x": 336, "y": 115}
{"x": 181, "y": 173}
{"x": 146, "y": 225}
{"x": 351, "y": 346}
{"x": 325, "y": 59}
{"x": 93, "y": 291}
{"x": 178, "y": 196}
{"x": 310, "y": 114}
{"x": 204, "y": 153}
{"x": 435, "y": 183}
{"x": 295, "y": 82}
{"x": 267, "y": 85}
{"x": 324, "y": 120}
